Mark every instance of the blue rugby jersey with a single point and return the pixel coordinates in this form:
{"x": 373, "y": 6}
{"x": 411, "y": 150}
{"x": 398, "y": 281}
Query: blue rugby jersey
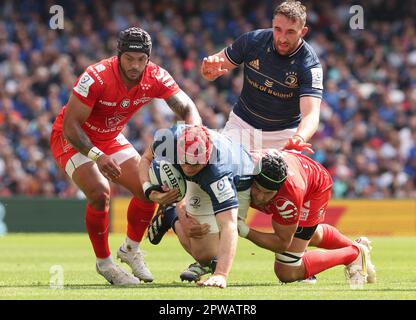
{"x": 273, "y": 84}
{"x": 229, "y": 170}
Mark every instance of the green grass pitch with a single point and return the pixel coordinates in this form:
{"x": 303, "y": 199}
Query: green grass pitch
{"x": 26, "y": 259}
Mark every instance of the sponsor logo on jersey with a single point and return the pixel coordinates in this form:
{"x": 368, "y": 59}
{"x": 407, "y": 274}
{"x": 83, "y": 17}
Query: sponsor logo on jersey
{"x": 304, "y": 212}
{"x": 146, "y": 86}
{"x": 65, "y": 145}
{"x": 195, "y": 202}
{"x": 255, "y": 64}
{"x": 100, "y": 67}
{"x": 286, "y": 208}
{"x": 317, "y": 78}
{"x": 103, "y": 130}
{"x": 125, "y": 103}
{"x": 291, "y": 79}
{"x": 222, "y": 190}
{"x": 268, "y": 83}
{"x": 96, "y": 75}
{"x": 108, "y": 103}
{"x": 220, "y": 185}
{"x": 112, "y": 122}
{"x": 84, "y": 84}
{"x": 269, "y": 91}
{"x": 141, "y": 100}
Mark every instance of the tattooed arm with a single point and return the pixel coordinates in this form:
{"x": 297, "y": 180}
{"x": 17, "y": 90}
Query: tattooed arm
{"x": 184, "y": 108}
{"x": 75, "y": 115}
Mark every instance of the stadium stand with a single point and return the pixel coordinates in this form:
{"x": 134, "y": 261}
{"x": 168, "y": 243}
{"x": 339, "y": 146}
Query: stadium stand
{"x": 367, "y": 136}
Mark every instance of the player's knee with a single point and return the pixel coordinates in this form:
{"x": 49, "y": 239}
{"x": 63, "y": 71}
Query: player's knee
{"x": 287, "y": 265}
{"x": 284, "y": 273}
{"x": 99, "y": 198}
{"x": 286, "y": 277}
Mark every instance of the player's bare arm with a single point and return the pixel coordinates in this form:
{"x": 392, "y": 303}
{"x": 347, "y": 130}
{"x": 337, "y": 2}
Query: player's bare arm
{"x": 279, "y": 241}
{"x": 163, "y": 198}
{"x": 215, "y": 66}
{"x": 309, "y": 109}
{"x": 227, "y": 223}
{"x": 184, "y": 108}
{"x": 76, "y": 114}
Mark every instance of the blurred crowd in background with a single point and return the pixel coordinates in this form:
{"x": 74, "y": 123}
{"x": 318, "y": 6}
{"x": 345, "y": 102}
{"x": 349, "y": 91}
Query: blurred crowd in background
{"x": 367, "y": 135}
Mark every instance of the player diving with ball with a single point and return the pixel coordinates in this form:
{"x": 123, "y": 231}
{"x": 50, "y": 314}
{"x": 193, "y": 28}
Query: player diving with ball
{"x": 218, "y": 187}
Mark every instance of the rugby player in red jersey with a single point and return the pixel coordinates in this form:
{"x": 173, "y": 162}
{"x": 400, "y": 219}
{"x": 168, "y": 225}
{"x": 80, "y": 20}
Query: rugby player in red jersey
{"x": 295, "y": 191}
{"x": 86, "y": 142}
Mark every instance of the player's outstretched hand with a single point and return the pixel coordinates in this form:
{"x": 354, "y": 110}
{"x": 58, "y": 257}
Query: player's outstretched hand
{"x": 108, "y": 167}
{"x": 297, "y": 144}
{"x": 216, "y": 280}
{"x": 211, "y": 67}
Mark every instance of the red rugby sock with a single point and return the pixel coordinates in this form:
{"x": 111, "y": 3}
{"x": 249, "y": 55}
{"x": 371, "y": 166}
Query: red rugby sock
{"x": 316, "y": 261}
{"x": 97, "y": 226}
{"x": 139, "y": 215}
{"x": 333, "y": 239}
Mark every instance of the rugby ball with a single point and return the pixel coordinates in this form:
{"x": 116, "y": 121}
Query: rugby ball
{"x": 164, "y": 173}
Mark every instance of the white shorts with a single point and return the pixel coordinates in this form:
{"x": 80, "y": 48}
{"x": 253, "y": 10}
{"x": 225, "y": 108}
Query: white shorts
{"x": 79, "y": 159}
{"x": 199, "y": 205}
{"x": 255, "y": 139}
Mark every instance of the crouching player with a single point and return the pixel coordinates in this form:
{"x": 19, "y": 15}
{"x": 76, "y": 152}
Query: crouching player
{"x": 217, "y": 188}
{"x": 296, "y": 190}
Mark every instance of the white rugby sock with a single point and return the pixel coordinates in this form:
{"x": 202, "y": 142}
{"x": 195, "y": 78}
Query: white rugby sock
{"x": 104, "y": 263}
{"x": 130, "y": 245}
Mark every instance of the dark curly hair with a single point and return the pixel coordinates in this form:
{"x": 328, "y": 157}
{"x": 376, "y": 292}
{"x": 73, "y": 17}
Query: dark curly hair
{"x": 273, "y": 172}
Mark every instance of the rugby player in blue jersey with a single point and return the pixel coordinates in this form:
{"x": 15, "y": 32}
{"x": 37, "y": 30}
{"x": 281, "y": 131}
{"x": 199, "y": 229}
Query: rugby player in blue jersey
{"x": 282, "y": 88}
{"x": 219, "y": 177}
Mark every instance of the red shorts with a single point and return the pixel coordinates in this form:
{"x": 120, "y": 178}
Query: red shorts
{"x": 69, "y": 158}
{"x": 312, "y": 212}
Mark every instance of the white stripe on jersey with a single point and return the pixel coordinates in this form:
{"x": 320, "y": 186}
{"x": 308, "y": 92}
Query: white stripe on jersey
{"x": 159, "y": 75}
{"x": 169, "y": 83}
{"x": 166, "y": 77}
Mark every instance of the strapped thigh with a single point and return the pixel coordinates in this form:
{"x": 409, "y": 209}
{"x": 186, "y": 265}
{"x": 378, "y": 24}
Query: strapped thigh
{"x": 291, "y": 259}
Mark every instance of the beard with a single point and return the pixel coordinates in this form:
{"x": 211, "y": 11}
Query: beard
{"x": 286, "y": 48}
{"x": 131, "y": 74}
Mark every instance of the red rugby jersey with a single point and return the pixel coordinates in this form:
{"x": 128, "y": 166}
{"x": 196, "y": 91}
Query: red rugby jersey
{"x": 306, "y": 180}
{"x": 101, "y": 88}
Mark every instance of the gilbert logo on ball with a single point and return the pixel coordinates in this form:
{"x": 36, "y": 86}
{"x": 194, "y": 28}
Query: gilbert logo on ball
{"x": 163, "y": 173}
